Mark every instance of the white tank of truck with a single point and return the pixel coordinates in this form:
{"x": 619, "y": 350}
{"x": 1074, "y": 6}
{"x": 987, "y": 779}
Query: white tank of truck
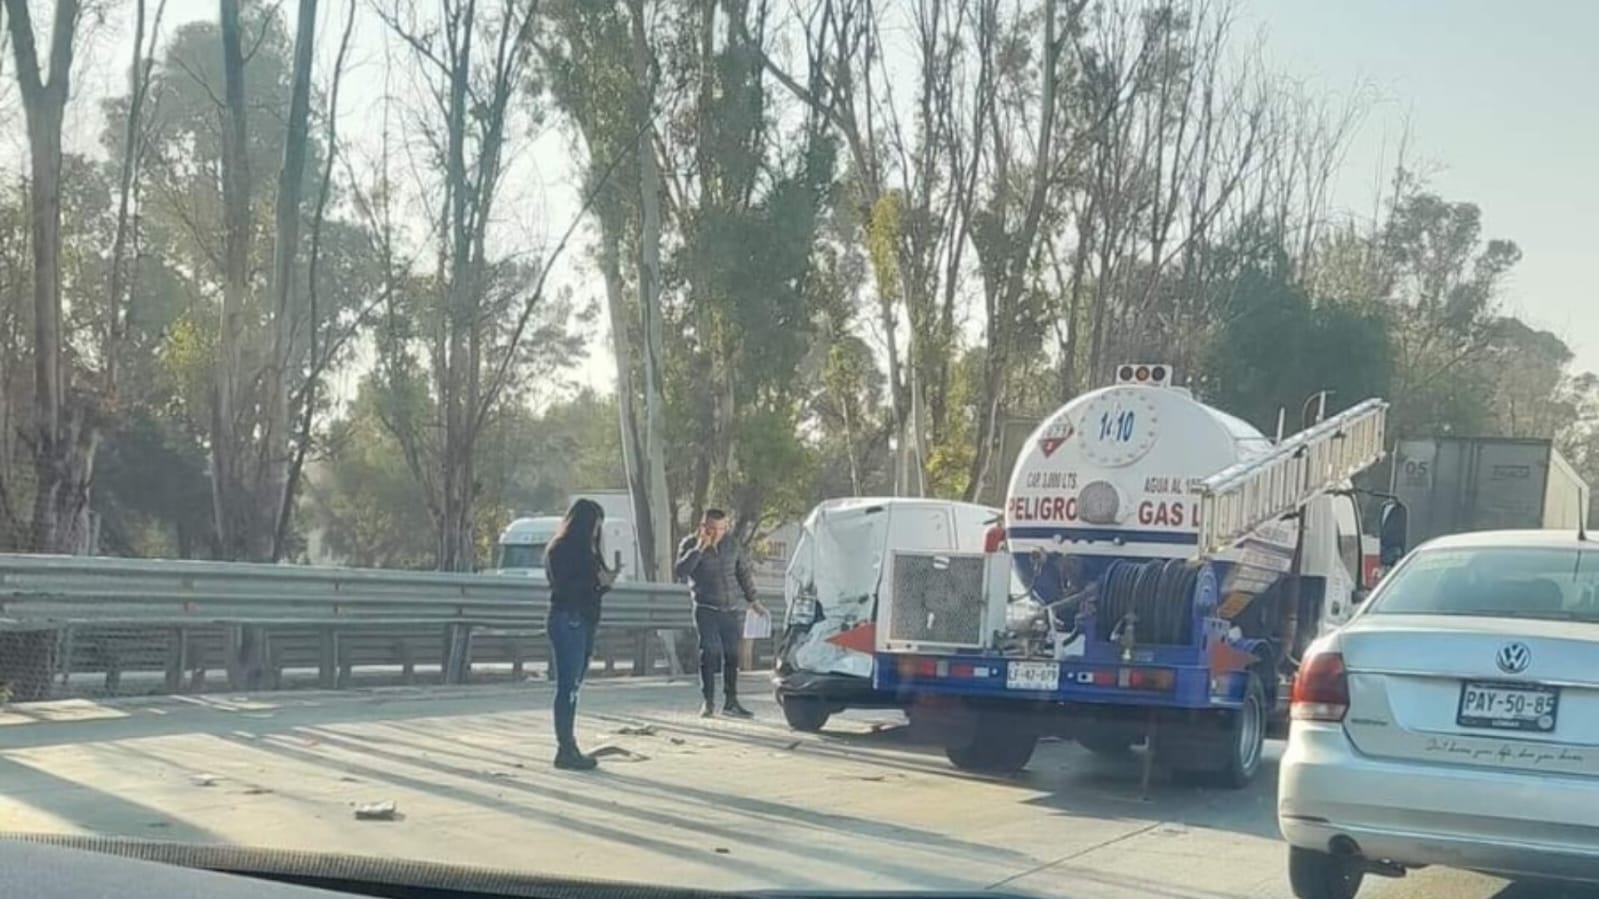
{"x": 1116, "y": 474}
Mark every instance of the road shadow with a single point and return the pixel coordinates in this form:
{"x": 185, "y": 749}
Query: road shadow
{"x": 94, "y": 810}
{"x": 279, "y": 712}
{"x": 1061, "y": 776}
{"x": 769, "y": 825}
{"x": 633, "y": 838}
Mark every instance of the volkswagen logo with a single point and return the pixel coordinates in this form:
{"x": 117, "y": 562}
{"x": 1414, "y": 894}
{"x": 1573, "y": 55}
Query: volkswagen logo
{"x": 1513, "y": 658}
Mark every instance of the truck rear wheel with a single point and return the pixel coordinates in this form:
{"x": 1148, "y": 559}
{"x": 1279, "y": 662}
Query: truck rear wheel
{"x": 1226, "y": 756}
{"x": 804, "y": 713}
{"x": 993, "y": 744}
{"x": 1245, "y": 738}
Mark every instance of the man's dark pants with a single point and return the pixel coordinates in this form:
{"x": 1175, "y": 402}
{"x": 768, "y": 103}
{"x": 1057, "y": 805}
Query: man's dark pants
{"x": 720, "y": 631}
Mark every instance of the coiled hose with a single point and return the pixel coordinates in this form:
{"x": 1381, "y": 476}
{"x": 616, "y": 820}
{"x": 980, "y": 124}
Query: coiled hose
{"x": 1159, "y": 595}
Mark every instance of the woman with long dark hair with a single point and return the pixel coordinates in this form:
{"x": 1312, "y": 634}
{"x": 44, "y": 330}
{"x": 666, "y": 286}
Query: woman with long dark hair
{"x": 575, "y": 563}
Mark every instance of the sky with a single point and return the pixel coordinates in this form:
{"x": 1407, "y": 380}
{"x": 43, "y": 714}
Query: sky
{"x": 1497, "y": 101}
{"x": 1500, "y": 104}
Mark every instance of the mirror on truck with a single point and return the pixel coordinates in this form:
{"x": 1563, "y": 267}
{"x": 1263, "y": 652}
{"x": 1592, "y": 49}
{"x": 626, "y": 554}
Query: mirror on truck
{"x": 1391, "y": 531}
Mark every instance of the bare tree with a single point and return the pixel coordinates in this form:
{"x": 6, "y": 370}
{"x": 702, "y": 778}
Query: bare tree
{"x": 472, "y": 60}
{"x": 63, "y": 438}
{"x": 274, "y": 459}
{"x": 649, "y": 267}
{"x": 320, "y": 352}
{"x": 1006, "y": 231}
{"x": 230, "y": 495}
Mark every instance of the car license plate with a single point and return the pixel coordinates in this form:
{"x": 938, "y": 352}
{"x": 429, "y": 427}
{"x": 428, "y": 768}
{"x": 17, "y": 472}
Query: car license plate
{"x": 1032, "y": 676}
{"x": 1529, "y": 707}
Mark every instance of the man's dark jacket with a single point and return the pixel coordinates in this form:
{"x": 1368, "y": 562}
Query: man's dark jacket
{"x": 716, "y": 576}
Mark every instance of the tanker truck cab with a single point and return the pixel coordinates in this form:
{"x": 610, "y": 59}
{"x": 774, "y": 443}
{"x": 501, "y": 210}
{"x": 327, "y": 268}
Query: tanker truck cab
{"x": 1174, "y": 563}
{"x": 520, "y": 551}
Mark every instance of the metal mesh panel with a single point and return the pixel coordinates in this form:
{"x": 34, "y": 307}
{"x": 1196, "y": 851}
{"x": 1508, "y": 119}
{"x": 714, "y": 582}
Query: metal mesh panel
{"x": 937, "y": 599}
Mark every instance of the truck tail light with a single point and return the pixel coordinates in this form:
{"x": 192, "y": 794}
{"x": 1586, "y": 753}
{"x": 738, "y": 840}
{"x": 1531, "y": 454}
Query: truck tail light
{"x": 994, "y": 539}
{"x": 1321, "y": 689}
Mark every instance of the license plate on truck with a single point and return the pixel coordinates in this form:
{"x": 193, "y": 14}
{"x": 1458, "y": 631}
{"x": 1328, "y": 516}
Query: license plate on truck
{"x": 1032, "y": 676}
{"x": 1529, "y": 707}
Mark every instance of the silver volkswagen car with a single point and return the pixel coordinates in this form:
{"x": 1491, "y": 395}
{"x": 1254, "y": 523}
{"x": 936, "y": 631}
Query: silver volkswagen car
{"x": 1453, "y": 721}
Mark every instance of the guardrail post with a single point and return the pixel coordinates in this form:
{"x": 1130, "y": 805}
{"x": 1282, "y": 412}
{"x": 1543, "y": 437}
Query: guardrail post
{"x": 407, "y": 663}
{"x": 177, "y": 659}
{"x": 328, "y": 658}
{"x": 346, "y": 663}
{"x": 64, "y": 649}
{"x": 458, "y": 653}
{"x": 273, "y": 674}
{"x": 641, "y": 654}
{"x": 246, "y": 656}
{"x": 513, "y": 643}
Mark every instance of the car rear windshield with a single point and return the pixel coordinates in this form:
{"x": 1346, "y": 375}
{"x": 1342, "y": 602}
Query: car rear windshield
{"x": 1499, "y": 582}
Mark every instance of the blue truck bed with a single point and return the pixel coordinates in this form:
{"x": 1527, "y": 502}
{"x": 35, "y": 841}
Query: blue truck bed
{"x": 1178, "y": 677}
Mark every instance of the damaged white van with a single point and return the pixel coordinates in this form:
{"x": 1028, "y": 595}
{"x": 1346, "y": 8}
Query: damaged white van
{"x": 824, "y": 657}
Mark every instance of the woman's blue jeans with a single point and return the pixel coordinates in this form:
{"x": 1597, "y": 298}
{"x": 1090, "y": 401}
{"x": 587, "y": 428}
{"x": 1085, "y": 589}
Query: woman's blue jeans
{"x": 572, "y": 639}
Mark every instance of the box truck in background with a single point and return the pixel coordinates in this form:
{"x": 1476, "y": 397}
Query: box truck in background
{"x": 1450, "y": 485}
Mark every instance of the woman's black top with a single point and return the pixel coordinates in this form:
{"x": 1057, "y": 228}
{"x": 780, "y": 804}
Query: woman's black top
{"x": 574, "y": 572}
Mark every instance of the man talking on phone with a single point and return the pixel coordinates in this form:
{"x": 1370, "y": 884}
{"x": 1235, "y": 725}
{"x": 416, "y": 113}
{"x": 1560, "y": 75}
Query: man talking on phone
{"x": 719, "y": 577}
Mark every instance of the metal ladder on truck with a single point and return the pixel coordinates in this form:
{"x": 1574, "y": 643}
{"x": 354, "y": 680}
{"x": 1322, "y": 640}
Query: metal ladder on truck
{"x": 1242, "y": 497}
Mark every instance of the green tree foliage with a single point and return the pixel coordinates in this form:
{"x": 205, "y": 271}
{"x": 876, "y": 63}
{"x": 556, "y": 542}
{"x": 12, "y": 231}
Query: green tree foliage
{"x": 1276, "y": 348}
{"x": 363, "y": 505}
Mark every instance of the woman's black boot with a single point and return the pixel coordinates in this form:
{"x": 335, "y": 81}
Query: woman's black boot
{"x": 568, "y": 758}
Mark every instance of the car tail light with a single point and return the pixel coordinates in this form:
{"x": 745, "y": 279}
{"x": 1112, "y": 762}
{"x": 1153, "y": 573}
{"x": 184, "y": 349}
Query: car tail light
{"x": 1321, "y": 689}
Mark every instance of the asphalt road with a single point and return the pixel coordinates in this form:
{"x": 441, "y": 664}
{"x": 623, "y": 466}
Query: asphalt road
{"x": 716, "y": 803}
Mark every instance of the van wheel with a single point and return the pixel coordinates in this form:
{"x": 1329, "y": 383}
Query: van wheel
{"x": 1318, "y": 875}
{"x": 994, "y": 744}
{"x": 804, "y": 714}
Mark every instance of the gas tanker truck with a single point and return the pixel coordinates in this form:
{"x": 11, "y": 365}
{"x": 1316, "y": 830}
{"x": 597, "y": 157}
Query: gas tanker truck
{"x": 1173, "y": 564}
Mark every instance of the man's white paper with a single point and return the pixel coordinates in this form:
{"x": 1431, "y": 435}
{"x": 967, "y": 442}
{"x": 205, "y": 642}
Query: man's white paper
{"x": 756, "y": 625}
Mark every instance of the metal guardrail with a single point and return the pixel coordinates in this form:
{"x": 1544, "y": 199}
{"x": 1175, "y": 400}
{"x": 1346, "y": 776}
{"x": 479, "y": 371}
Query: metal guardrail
{"x": 66, "y": 615}
{"x": 42, "y": 590}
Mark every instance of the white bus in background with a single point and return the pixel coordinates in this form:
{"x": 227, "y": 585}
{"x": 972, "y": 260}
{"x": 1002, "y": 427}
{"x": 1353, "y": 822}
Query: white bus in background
{"x": 520, "y": 551}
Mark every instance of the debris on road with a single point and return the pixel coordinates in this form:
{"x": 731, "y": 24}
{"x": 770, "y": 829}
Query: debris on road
{"x": 350, "y": 780}
{"x": 204, "y": 780}
{"x": 723, "y": 850}
{"x": 636, "y": 730}
{"x": 619, "y": 754}
{"x": 377, "y": 811}
{"x": 257, "y": 791}
{"x": 677, "y": 741}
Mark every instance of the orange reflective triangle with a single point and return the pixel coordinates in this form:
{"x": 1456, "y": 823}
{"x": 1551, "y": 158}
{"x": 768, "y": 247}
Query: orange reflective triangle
{"x": 1224, "y": 658}
{"x": 862, "y": 638}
